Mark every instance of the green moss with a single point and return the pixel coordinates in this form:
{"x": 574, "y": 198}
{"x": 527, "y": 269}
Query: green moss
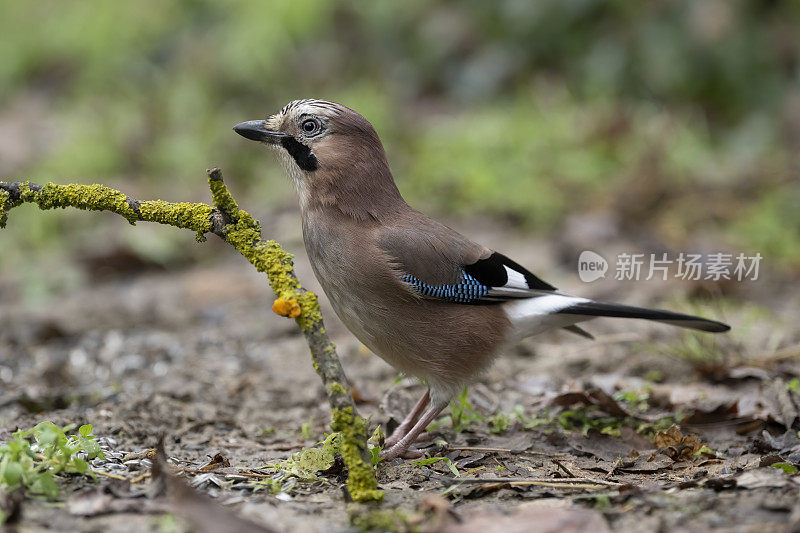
{"x": 360, "y": 478}
{"x": 379, "y": 519}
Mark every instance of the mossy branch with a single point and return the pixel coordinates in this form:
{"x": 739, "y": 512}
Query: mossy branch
{"x": 239, "y": 229}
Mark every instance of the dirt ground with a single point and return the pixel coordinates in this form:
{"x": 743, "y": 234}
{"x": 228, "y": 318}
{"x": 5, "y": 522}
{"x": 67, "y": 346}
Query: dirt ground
{"x": 559, "y": 434}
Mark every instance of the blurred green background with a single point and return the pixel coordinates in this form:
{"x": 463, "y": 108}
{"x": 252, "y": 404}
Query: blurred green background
{"x": 678, "y": 117}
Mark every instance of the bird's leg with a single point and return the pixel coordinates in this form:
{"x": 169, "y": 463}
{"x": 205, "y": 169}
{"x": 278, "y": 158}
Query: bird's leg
{"x": 400, "y": 449}
{"x": 409, "y": 421}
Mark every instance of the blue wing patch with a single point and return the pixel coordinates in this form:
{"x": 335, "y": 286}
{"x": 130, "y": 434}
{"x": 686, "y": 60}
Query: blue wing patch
{"x": 468, "y": 290}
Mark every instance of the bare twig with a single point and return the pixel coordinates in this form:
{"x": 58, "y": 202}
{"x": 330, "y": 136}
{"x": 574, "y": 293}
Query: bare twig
{"x": 239, "y": 229}
{"x": 614, "y": 467}
{"x": 560, "y": 465}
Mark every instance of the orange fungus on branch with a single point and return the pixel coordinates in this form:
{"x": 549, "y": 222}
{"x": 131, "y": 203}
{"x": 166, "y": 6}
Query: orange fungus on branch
{"x": 286, "y": 307}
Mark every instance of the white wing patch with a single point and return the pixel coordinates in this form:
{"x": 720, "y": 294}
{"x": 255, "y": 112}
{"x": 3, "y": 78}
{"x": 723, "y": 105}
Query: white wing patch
{"x": 515, "y": 279}
{"x": 532, "y": 316}
{"x": 515, "y": 287}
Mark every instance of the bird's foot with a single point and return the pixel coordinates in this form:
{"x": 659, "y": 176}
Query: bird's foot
{"x": 408, "y": 422}
{"x": 396, "y": 436}
{"x": 399, "y": 451}
{"x": 393, "y": 439}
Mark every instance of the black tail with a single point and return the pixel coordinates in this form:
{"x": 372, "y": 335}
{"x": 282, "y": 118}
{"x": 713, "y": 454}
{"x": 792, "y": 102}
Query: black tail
{"x": 659, "y": 315}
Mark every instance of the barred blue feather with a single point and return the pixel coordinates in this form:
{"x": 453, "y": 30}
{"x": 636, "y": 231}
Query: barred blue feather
{"x": 468, "y": 290}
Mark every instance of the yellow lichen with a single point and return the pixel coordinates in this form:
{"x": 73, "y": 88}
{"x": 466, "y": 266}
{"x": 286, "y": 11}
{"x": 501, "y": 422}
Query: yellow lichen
{"x": 92, "y": 197}
{"x": 361, "y": 480}
{"x": 222, "y": 197}
{"x": 5, "y": 201}
{"x": 288, "y": 308}
{"x": 196, "y": 217}
{"x": 336, "y": 388}
{"x": 243, "y": 233}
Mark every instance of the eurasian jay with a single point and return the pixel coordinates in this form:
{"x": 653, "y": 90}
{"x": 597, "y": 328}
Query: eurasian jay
{"x": 424, "y": 298}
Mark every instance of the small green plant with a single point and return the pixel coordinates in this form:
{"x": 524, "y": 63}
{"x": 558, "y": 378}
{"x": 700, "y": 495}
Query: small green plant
{"x": 601, "y": 501}
{"x": 582, "y": 420}
{"x": 653, "y": 375}
{"x": 699, "y": 349}
{"x": 431, "y": 460}
{"x": 266, "y": 431}
{"x": 786, "y": 467}
{"x": 373, "y": 443}
{"x": 305, "y": 430}
{"x": 375, "y": 454}
{"x": 33, "y": 458}
{"x": 637, "y": 399}
{"x": 530, "y": 422}
{"x": 500, "y": 422}
{"x": 462, "y": 414}
{"x": 794, "y": 385}
{"x": 705, "y": 450}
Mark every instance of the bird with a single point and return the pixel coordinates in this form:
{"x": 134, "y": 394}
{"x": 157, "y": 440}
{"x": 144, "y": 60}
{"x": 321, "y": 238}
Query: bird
{"x": 427, "y": 300}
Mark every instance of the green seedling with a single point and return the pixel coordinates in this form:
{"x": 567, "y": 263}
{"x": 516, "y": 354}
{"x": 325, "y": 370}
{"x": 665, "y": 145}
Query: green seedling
{"x": 374, "y": 447}
{"x": 431, "y": 460}
{"x": 500, "y": 422}
{"x": 462, "y": 413}
{"x": 636, "y": 399}
{"x": 531, "y": 422}
{"x": 786, "y": 467}
{"x": 33, "y": 458}
{"x": 305, "y": 430}
{"x": 654, "y": 376}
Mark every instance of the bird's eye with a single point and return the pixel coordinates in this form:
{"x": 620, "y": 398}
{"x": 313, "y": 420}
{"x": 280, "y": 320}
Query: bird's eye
{"x": 310, "y": 126}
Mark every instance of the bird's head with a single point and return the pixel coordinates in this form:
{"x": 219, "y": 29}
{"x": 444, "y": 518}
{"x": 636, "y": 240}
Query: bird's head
{"x": 333, "y": 155}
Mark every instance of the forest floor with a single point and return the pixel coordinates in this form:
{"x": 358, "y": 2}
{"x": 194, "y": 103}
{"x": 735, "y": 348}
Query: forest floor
{"x": 563, "y": 432}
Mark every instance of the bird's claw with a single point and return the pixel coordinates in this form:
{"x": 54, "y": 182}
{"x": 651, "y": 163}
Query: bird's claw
{"x": 407, "y": 453}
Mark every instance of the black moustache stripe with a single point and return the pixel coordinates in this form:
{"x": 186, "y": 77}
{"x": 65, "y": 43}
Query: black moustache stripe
{"x": 301, "y": 153}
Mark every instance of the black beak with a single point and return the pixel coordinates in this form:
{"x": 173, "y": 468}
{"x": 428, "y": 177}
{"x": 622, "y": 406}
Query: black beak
{"x": 256, "y": 130}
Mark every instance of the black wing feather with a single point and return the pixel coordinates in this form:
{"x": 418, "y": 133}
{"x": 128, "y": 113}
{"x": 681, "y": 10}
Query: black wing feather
{"x": 492, "y": 272}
